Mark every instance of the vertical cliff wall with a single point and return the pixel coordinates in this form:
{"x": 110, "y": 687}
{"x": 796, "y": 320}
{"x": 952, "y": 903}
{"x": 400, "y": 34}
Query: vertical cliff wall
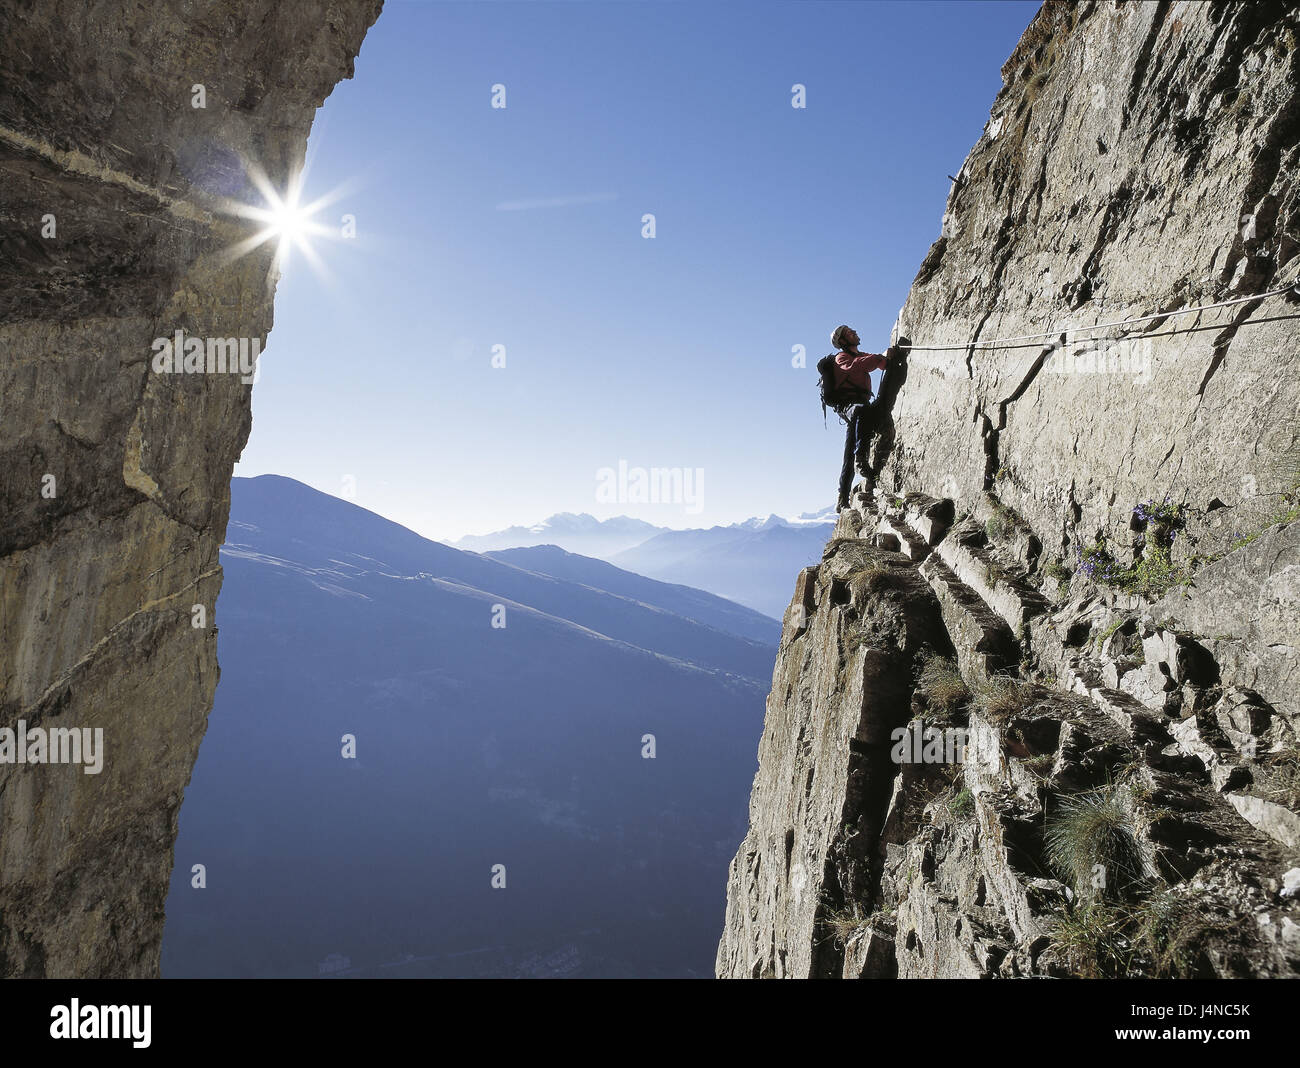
{"x": 114, "y": 479}
{"x": 1140, "y": 158}
{"x": 1076, "y": 580}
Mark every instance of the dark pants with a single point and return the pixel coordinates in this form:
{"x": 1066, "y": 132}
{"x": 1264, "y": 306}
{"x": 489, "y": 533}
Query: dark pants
{"x": 857, "y": 443}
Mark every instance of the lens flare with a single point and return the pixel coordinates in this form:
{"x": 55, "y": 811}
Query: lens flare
{"x": 284, "y": 219}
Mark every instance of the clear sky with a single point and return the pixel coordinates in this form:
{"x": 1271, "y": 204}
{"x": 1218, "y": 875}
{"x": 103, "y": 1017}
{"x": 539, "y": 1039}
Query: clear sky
{"x": 522, "y": 227}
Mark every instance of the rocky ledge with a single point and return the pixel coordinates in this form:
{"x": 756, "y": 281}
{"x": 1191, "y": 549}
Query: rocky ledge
{"x": 961, "y": 776}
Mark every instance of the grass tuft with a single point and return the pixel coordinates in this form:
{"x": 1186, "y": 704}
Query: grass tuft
{"x": 1091, "y": 843}
{"x": 1003, "y": 697}
{"x": 1155, "y": 938}
{"x": 1040, "y": 766}
{"x": 1277, "y": 779}
{"x": 845, "y": 924}
{"x": 961, "y": 805}
{"x": 876, "y": 577}
{"x": 1057, "y": 571}
{"x": 942, "y": 684}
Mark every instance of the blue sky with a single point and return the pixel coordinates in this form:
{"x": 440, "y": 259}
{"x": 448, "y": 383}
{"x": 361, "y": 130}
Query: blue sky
{"x": 522, "y": 227}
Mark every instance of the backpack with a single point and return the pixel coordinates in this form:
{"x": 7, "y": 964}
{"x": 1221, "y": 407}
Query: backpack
{"x": 837, "y": 395}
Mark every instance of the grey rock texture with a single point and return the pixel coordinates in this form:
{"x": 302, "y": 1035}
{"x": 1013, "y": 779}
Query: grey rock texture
{"x": 98, "y": 581}
{"x": 839, "y": 687}
{"x": 1246, "y": 609}
{"x": 1140, "y": 158}
{"x": 867, "y": 861}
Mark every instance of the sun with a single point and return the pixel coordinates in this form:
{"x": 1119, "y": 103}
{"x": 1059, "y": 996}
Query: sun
{"x": 288, "y": 221}
{"x": 284, "y": 219}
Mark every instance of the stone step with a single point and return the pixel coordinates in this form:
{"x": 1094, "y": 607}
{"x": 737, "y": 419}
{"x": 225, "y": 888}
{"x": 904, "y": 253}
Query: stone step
{"x": 928, "y": 516}
{"x": 1012, "y": 535}
{"x": 1123, "y": 709}
{"x": 912, "y": 525}
{"x": 1222, "y": 765}
{"x": 985, "y": 645}
{"x": 1279, "y": 823}
{"x": 910, "y": 543}
{"x": 1006, "y": 592}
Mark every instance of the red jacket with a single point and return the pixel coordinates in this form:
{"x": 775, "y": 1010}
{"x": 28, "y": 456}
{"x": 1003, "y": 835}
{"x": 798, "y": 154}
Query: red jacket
{"x": 856, "y": 370}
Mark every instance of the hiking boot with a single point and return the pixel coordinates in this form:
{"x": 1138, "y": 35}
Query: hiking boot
{"x": 841, "y": 504}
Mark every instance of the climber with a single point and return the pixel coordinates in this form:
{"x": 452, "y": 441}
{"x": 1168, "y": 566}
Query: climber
{"x": 846, "y": 387}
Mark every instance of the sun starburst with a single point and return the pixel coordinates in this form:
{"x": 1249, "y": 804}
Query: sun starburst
{"x": 284, "y": 219}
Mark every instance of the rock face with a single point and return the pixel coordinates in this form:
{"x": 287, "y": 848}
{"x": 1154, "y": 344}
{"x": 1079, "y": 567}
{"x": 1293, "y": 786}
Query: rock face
{"x": 1141, "y": 158}
{"x": 1247, "y": 606}
{"x": 114, "y": 478}
{"x": 1073, "y": 585}
{"x": 816, "y": 807}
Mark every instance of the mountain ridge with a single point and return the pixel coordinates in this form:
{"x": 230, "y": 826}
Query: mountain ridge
{"x": 748, "y": 562}
{"x": 276, "y": 506}
{"x": 475, "y": 745}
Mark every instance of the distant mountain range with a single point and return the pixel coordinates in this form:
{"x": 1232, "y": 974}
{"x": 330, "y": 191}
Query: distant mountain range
{"x": 476, "y": 746}
{"x": 576, "y": 533}
{"x": 752, "y": 566}
{"x": 752, "y": 562}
